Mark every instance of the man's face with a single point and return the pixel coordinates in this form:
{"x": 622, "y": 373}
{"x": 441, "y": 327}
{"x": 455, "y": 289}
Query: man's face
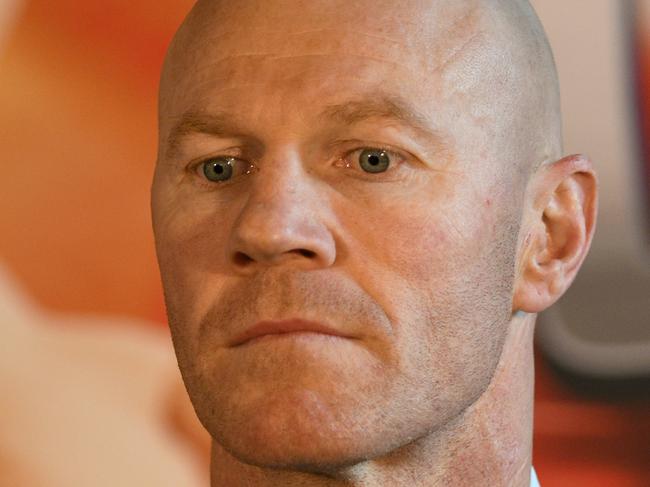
{"x": 355, "y": 178}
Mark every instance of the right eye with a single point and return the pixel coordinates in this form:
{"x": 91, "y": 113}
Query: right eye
{"x": 221, "y": 169}
{"x": 218, "y": 169}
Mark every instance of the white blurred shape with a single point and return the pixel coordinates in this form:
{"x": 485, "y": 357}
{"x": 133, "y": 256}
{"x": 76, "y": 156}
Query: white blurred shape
{"x": 88, "y": 401}
{"x": 9, "y": 12}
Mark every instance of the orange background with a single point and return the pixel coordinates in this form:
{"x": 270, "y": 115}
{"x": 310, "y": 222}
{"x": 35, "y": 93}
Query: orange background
{"x": 78, "y": 86}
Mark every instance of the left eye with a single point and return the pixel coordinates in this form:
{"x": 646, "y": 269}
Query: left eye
{"x": 374, "y": 160}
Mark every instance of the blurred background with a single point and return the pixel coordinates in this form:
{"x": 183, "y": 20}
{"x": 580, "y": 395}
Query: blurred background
{"x": 78, "y": 87}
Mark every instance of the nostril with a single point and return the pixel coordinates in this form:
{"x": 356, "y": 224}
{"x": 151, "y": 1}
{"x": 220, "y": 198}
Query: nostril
{"x": 241, "y": 259}
{"x": 306, "y": 253}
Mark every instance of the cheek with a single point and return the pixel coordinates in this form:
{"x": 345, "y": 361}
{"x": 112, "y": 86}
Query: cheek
{"x": 426, "y": 257}
{"x": 430, "y": 266}
{"x": 190, "y": 245}
{"x": 443, "y": 273}
{"x": 420, "y": 241}
{"x": 188, "y": 227}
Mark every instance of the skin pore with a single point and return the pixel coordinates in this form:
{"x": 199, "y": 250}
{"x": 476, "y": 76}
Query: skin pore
{"x": 433, "y": 269}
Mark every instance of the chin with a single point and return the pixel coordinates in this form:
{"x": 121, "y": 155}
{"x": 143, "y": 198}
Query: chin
{"x": 299, "y": 430}
{"x": 292, "y": 452}
{"x": 306, "y": 431}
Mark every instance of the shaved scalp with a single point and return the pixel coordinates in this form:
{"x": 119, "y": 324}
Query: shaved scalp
{"x": 508, "y": 61}
{"x": 540, "y": 91}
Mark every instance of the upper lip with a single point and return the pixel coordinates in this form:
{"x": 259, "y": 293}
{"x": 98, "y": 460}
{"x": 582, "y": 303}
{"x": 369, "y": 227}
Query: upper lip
{"x": 269, "y": 327}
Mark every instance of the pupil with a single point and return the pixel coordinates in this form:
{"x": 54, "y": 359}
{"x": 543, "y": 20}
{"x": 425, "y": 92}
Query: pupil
{"x": 218, "y": 169}
{"x": 374, "y": 160}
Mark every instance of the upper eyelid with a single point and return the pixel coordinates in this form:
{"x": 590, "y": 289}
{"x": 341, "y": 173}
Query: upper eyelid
{"x": 197, "y": 163}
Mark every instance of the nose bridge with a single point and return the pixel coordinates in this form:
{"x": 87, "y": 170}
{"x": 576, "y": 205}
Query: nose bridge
{"x": 284, "y": 218}
{"x": 281, "y": 192}
{"x": 279, "y": 182}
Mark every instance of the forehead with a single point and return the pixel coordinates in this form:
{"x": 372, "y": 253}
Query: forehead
{"x": 317, "y": 49}
{"x": 249, "y": 26}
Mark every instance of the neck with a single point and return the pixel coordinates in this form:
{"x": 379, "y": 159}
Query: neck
{"x": 490, "y": 443}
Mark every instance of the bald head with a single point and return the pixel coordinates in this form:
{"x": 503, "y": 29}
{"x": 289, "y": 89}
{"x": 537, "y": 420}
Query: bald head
{"x": 491, "y": 55}
{"x": 365, "y": 168}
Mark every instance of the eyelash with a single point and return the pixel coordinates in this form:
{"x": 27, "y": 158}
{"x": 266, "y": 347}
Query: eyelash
{"x": 397, "y": 159}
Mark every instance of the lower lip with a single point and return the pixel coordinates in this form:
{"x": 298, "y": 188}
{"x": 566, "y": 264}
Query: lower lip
{"x": 293, "y": 336}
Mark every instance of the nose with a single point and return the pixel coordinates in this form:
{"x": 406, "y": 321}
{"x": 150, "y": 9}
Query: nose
{"x": 284, "y": 222}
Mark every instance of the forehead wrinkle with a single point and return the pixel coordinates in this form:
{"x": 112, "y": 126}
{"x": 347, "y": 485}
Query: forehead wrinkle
{"x": 276, "y": 57}
{"x": 317, "y": 33}
{"x": 258, "y": 37}
{"x": 458, "y": 54}
{"x": 392, "y": 52}
{"x": 355, "y": 33}
{"x": 459, "y": 37}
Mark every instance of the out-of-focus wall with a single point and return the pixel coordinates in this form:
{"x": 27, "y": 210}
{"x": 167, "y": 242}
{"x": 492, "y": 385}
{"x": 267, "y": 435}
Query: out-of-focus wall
{"x": 78, "y": 84}
{"x": 592, "y": 42}
{"x": 600, "y": 327}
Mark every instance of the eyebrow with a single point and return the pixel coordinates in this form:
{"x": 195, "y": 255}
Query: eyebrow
{"x": 380, "y": 106}
{"x": 200, "y": 122}
{"x": 374, "y": 106}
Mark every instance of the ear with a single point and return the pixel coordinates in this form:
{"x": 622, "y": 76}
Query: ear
{"x": 559, "y": 222}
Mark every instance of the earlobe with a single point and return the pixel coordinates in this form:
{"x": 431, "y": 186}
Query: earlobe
{"x": 560, "y": 224}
